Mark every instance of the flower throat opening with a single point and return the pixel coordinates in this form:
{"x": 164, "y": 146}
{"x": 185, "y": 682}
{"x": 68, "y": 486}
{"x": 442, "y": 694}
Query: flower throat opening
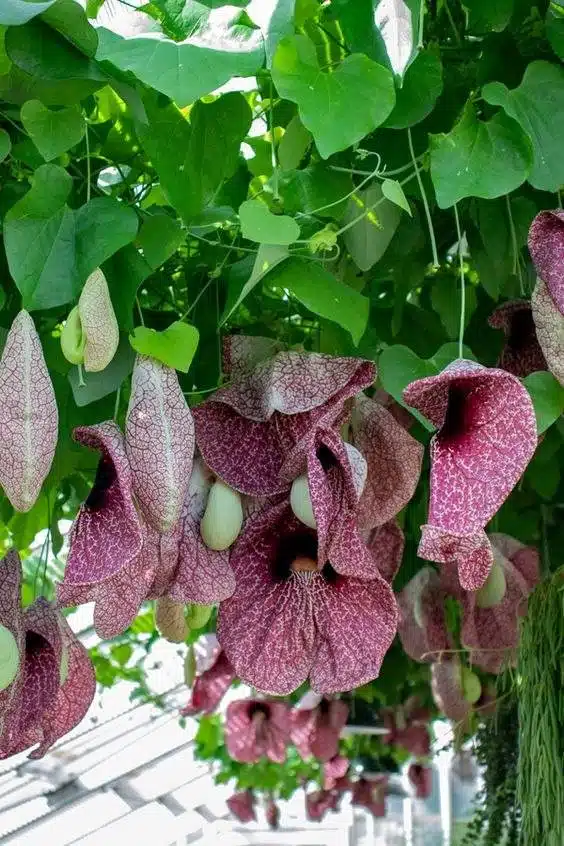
{"x": 297, "y": 553}
{"x": 105, "y": 477}
{"x": 455, "y": 422}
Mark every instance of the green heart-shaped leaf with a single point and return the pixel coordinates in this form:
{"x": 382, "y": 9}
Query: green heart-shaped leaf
{"x": 5, "y": 144}
{"x": 52, "y": 132}
{"x": 548, "y": 398}
{"x": 175, "y": 346}
{"x": 260, "y": 225}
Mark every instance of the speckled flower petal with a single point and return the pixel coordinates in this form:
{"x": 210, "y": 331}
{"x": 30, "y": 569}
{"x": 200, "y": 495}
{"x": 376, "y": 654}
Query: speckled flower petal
{"x": 422, "y": 626}
{"x": 248, "y": 739}
{"x": 521, "y": 354}
{"x": 11, "y": 617}
{"x": 546, "y": 246}
{"x": 472, "y": 554}
{"x": 99, "y": 324}
{"x": 242, "y": 353}
{"x": 447, "y": 690}
{"x": 28, "y": 415}
{"x": 487, "y": 436}
{"x": 267, "y": 628}
{"x": 316, "y": 732}
{"x": 549, "y": 322}
{"x": 159, "y": 441}
{"x": 357, "y": 622}
{"x": 334, "y": 772}
{"x": 492, "y": 634}
{"x": 242, "y": 806}
{"x": 203, "y": 575}
{"x": 386, "y": 544}
{"x": 318, "y": 802}
{"x": 422, "y": 780}
{"x": 106, "y": 535}
{"x": 394, "y": 462}
{"x": 371, "y": 794}
{"x": 210, "y": 687}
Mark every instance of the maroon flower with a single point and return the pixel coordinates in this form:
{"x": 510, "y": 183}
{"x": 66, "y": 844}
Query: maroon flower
{"x": 422, "y": 628}
{"x": 117, "y": 561}
{"x": 371, "y": 794}
{"x": 421, "y": 778}
{"x": 257, "y": 727}
{"x": 448, "y": 689}
{"x": 521, "y": 354}
{"x": 315, "y": 731}
{"x": 386, "y": 543}
{"x": 214, "y": 676}
{"x": 28, "y": 415}
{"x": 408, "y": 727}
{"x": 318, "y": 802}
{"x": 55, "y": 683}
{"x": 335, "y": 774}
{"x": 272, "y": 814}
{"x": 486, "y": 437}
{"x": 242, "y": 806}
{"x": 546, "y": 245}
{"x": 288, "y": 620}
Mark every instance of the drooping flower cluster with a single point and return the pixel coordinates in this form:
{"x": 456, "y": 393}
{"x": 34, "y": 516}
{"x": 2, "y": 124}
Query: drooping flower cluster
{"x": 546, "y": 246}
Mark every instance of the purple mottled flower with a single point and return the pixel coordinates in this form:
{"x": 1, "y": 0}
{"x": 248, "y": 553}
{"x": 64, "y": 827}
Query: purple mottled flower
{"x": 214, "y": 676}
{"x": 546, "y": 246}
{"x": 255, "y": 728}
{"x": 521, "y": 354}
{"x": 421, "y": 777}
{"x": 315, "y": 731}
{"x": 242, "y": 806}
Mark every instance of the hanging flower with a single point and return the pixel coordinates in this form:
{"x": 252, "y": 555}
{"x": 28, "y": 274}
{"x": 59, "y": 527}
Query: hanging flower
{"x": 52, "y": 682}
{"x": 486, "y": 437}
{"x": 421, "y": 778}
{"x": 117, "y": 561}
{"x": 371, "y": 794}
{"x": 455, "y": 688}
{"x": 288, "y": 621}
{"x": 386, "y": 543}
{"x": 272, "y": 814}
{"x": 521, "y": 354}
{"x": 315, "y": 730}
{"x": 28, "y": 415}
{"x": 214, "y": 676}
{"x": 335, "y": 773}
{"x": 255, "y": 728}
{"x": 242, "y": 806}
{"x": 408, "y": 727}
{"x": 422, "y": 628}
{"x": 546, "y": 246}
{"x": 318, "y": 802}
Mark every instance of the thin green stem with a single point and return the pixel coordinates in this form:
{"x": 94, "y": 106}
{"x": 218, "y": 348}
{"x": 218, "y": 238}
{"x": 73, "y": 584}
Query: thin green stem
{"x": 462, "y": 285}
{"x": 88, "y": 172}
{"x": 139, "y": 311}
{"x": 116, "y": 406}
{"x": 369, "y": 209}
{"x": 220, "y": 244}
{"x": 452, "y": 23}
{"x": 516, "y": 264}
{"x": 358, "y": 187}
{"x": 421, "y": 24}
{"x": 274, "y": 160}
{"x": 380, "y": 174}
{"x": 425, "y": 201}
{"x": 81, "y": 382}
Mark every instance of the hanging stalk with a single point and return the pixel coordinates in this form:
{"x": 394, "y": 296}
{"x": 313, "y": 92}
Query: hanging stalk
{"x": 540, "y": 782}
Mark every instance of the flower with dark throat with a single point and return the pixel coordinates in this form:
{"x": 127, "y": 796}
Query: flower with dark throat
{"x": 408, "y": 727}
{"x": 214, "y": 677}
{"x": 370, "y": 793}
{"x": 486, "y": 437}
{"x": 546, "y": 246}
{"x": 317, "y": 725}
{"x": 242, "y": 806}
{"x": 51, "y": 681}
{"x": 318, "y": 802}
{"x": 421, "y": 777}
{"x": 522, "y": 353}
{"x": 288, "y": 620}
{"x": 256, "y": 728}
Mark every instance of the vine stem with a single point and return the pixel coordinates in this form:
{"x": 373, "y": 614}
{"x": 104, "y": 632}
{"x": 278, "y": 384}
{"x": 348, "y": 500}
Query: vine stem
{"x": 516, "y": 265}
{"x": 462, "y": 285}
{"x": 360, "y": 185}
{"x": 275, "y": 182}
{"x": 367, "y": 210}
{"x": 139, "y": 311}
{"x": 425, "y": 200}
{"x": 88, "y": 173}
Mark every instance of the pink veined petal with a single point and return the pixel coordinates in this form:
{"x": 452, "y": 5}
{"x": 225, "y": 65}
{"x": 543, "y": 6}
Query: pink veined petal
{"x": 422, "y": 625}
{"x": 521, "y": 354}
{"x": 422, "y": 779}
{"x": 159, "y": 442}
{"x": 303, "y": 723}
{"x": 318, "y": 802}
{"x": 248, "y": 739}
{"x": 328, "y": 727}
{"x": 272, "y": 814}
{"x": 371, "y": 794}
{"x": 277, "y": 735}
{"x": 546, "y": 246}
{"x": 447, "y": 690}
{"x": 240, "y": 732}
{"x": 394, "y": 462}
{"x": 267, "y": 628}
{"x": 29, "y": 418}
{"x": 524, "y": 558}
{"x": 210, "y": 687}
{"x": 203, "y": 575}
{"x": 11, "y": 617}
{"x": 487, "y": 435}
{"x": 242, "y": 806}
{"x": 386, "y": 544}
{"x": 472, "y": 553}
{"x": 549, "y": 322}
{"x": 414, "y": 738}
{"x": 242, "y": 353}
{"x": 334, "y": 771}
{"x": 357, "y": 622}
{"x": 106, "y": 535}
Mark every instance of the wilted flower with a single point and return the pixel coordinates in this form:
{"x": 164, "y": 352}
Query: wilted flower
{"x": 486, "y": 437}
{"x": 255, "y": 728}
{"x": 315, "y": 730}
{"x": 53, "y": 684}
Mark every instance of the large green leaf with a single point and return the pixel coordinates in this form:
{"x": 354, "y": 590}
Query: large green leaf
{"x": 40, "y": 241}
{"x": 16, "y": 12}
{"x": 317, "y": 189}
{"x": 175, "y": 346}
{"x": 104, "y": 382}
{"x": 268, "y": 256}
{"x": 159, "y": 238}
{"x": 259, "y": 224}
{"x": 421, "y": 87}
{"x": 323, "y": 294}
{"x": 5, "y": 144}
{"x": 187, "y": 70}
{"x": 538, "y": 106}
{"x": 488, "y": 15}
{"x": 69, "y": 18}
{"x": 103, "y": 226}
{"x": 276, "y": 20}
{"x": 555, "y": 26}
{"x": 293, "y": 145}
{"x": 125, "y": 272}
{"x": 52, "y": 132}
{"x": 356, "y": 22}
{"x": 377, "y": 220}
{"x": 547, "y": 396}
{"x": 338, "y": 108}
{"x": 479, "y": 158}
